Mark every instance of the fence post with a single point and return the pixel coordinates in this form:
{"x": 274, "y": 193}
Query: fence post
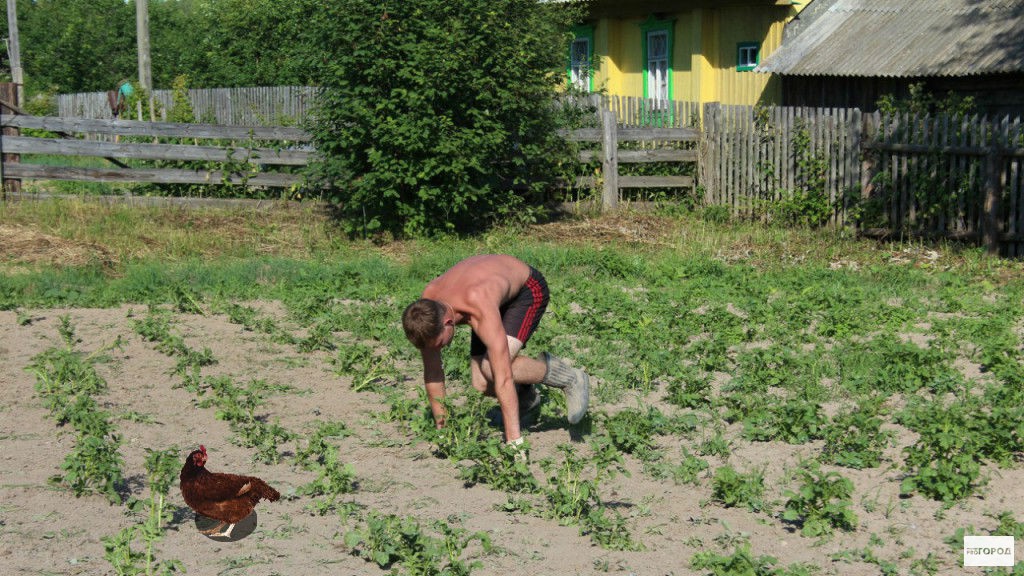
{"x": 708, "y": 162}
{"x": 990, "y": 218}
{"x": 869, "y": 158}
{"x": 609, "y": 160}
{"x": 9, "y": 96}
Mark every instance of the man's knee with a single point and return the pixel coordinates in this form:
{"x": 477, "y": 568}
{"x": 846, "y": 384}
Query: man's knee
{"x": 478, "y": 377}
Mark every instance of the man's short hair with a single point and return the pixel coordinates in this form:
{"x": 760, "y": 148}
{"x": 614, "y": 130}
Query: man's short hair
{"x": 423, "y": 321}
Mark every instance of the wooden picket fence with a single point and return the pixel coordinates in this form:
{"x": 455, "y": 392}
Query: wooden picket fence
{"x": 246, "y": 106}
{"x": 896, "y": 176}
{"x": 249, "y": 155}
{"x": 956, "y": 178}
{"x": 931, "y": 176}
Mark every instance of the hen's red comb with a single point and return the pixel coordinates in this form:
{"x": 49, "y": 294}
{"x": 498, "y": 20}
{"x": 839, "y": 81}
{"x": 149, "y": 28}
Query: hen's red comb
{"x": 202, "y": 449}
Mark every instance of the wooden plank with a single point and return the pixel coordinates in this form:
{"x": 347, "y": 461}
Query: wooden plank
{"x": 656, "y": 155}
{"x": 172, "y": 152}
{"x": 667, "y": 134}
{"x": 155, "y": 129}
{"x": 154, "y": 175}
{"x": 959, "y": 168}
{"x": 746, "y": 171}
{"x": 655, "y": 181}
{"x": 901, "y": 148}
{"x": 634, "y": 134}
{"x": 185, "y": 202}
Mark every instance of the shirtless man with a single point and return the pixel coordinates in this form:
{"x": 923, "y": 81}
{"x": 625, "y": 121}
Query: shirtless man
{"x": 502, "y": 299}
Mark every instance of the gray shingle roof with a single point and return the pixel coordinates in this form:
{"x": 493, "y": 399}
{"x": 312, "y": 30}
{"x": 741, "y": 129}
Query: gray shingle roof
{"x": 909, "y": 38}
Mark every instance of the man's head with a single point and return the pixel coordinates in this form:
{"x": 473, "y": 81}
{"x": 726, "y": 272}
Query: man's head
{"x": 424, "y": 322}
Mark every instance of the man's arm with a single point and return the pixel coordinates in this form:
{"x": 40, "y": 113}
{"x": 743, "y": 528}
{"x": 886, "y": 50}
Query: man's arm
{"x": 433, "y": 380}
{"x": 490, "y": 330}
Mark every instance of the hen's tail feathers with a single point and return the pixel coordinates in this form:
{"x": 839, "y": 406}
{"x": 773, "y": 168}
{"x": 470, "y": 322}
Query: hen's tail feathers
{"x": 265, "y": 491}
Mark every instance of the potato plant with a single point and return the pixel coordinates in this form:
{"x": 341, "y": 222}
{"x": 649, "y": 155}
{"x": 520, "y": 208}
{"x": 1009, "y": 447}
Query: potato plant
{"x": 716, "y": 375}
{"x": 66, "y": 381}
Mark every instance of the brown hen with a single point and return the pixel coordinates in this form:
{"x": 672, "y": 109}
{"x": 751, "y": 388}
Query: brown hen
{"x": 227, "y": 498}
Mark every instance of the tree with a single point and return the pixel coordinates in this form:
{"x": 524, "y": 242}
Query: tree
{"x": 434, "y": 109}
{"x": 90, "y": 45}
{"x": 76, "y": 45}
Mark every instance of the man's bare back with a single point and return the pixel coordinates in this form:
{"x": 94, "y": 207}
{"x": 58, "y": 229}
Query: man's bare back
{"x": 488, "y": 278}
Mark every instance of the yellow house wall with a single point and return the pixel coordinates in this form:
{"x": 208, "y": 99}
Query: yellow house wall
{"x": 748, "y": 87}
{"x": 703, "y": 57}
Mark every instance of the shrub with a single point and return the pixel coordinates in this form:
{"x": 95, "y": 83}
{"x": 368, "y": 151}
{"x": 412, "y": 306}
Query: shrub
{"x": 433, "y": 109}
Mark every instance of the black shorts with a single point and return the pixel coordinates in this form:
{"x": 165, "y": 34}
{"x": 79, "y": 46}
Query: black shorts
{"x": 520, "y": 315}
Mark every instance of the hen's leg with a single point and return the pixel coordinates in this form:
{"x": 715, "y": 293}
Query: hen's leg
{"x": 210, "y": 531}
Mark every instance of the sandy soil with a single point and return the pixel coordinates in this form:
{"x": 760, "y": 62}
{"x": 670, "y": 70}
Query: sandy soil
{"x": 47, "y": 530}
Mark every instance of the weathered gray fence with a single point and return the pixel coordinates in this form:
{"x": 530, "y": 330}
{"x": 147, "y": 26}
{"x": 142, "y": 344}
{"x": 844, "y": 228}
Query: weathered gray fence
{"x": 931, "y": 176}
{"x": 753, "y": 155}
{"x": 242, "y": 152}
{"x": 959, "y": 178}
{"x": 251, "y": 106}
{"x": 610, "y": 136}
{"x": 926, "y": 176}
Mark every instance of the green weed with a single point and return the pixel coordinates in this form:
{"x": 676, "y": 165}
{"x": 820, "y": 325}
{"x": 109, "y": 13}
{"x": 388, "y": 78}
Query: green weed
{"x": 732, "y": 488}
{"x": 66, "y": 380}
{"x": 742, "y": 562}
{"x": 822, "y": 502}
{"x": 855, "y": 439}
{"x": 399, "y": 544}
{"x": 687, "y": 471}
{"x": 795, "y": 421}
{"x": 162, "y": 469}
{"x": 572, "y": 494}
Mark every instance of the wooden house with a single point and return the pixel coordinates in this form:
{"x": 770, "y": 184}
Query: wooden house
{"x": 689, "y": 50}
{"x": 849, "y": 53}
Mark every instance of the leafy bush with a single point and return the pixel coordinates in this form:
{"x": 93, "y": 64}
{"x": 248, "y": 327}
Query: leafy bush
{"x": 955, "y": 439}
{"x": 433, "y": 109}
{"x": 794, "y": 421}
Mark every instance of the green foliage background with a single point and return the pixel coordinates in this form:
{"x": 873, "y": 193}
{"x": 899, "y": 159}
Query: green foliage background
{"x": 90, "y": 45}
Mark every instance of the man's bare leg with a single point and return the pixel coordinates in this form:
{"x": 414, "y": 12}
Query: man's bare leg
{"x": 524, "y": 371}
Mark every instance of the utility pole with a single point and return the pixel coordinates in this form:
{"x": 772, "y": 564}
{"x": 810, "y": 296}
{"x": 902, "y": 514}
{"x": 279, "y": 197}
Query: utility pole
{"x": 14, "y": 50}
{"x": 145, "y": 69}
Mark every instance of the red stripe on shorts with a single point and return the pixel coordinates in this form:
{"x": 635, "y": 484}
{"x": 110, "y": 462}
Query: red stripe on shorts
{"x": 531, "y": 312}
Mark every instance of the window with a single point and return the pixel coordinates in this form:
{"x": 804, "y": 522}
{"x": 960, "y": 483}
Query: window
{"x": 657, "y": 65}
{"x": 657, "y": 60}
{"x": 581, "y": 55}
{"x": 748, "y": 55}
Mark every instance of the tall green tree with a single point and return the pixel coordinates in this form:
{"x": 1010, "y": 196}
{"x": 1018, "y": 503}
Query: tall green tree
{"x": 264, "y": 42}
{"x": 76, "y": 45}
{"x": 434, "y": 109}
